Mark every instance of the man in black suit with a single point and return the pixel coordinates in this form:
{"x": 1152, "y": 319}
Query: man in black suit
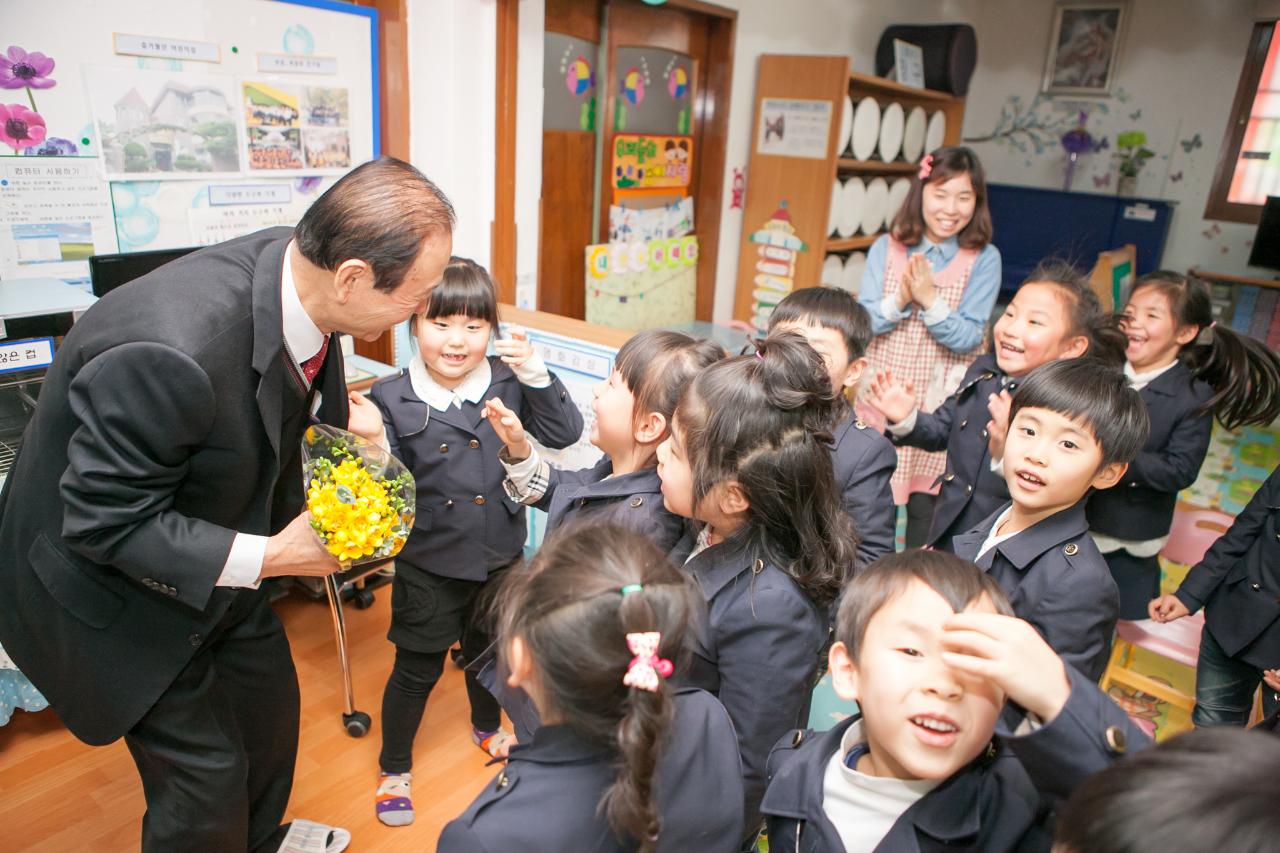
{"x": 160, "y": 482}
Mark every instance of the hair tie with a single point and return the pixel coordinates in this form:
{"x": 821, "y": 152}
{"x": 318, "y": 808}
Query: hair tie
{"x": 646, "y": 666}
{"x": 760, "y": 355}
{"x": 630, "y": 588}
{"x": 926, "y": 167}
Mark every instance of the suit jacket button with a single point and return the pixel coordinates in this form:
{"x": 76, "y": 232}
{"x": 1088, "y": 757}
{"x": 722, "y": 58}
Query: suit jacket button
{"x": 444, "y": 448}
{"x": 1070, "y": 549}
{"x": 1257, "y": 587}
{"x": 637, "y": 501}
{"x": 964, "y": 423}
{"x": 1116, "y": 740}
{"x": 949, "y": 477}
{"x": 473, "y": 444}
{"x": 195, "y": 639}
{"x": 478, "y": 500}
{"x": 448, "y": 503}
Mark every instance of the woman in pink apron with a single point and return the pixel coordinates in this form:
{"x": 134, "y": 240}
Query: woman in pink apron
{"x": 930, "y": 285}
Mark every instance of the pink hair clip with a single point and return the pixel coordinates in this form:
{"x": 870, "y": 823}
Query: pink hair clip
{"x": 646, "y": 666}
{"x": 926, "y": 167}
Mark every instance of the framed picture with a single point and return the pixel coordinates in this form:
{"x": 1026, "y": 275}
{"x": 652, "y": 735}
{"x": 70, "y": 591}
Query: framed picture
{"x": 908, "y": 63}
{"x": 1084, "y": 44}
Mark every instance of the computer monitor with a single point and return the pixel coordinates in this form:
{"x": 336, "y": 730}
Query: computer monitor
{"x": 1266, "y": 240}
{"x": 107, "y": 272}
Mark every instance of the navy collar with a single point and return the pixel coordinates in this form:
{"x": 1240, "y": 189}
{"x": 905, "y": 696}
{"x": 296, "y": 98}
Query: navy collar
{"x": 719, "y": 565}
{"x": 1172, "y": 382}
{"x": 559, "y": 744}
{"x": 1028, "y": 545}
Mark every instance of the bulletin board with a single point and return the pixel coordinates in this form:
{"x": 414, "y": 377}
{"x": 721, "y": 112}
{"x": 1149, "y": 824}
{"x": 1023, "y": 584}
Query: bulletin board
{"x": 163, "y": 123}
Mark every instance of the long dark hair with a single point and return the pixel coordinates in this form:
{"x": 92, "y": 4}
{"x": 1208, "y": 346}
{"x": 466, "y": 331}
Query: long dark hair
{"x": 588, "y": 587}
{"x": 657, "y": 366}
{"x": 1085, "y": 313}
{"x": 946, "y": 163}
{"x": 1243, "y": 373}
{"x": 763, "y": 421}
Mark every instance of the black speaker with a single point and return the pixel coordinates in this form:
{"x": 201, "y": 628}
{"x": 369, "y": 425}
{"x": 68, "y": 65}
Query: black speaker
{"x": 950, "y": 52}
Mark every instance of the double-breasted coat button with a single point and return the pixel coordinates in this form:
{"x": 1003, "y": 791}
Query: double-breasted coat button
{"x": 503, "y": 781}
{"x": 1256, "y": 587}
{"x": 758, "y": 567}
{"x": 478, "y": 500}
{"x": 448, "y": 503}
{"x": 983, "y": 433}
{"x": 1116, "y": 740}
{"x": 798, "y": 737}
{"x": 444, "y": 448}
{"x": 637, "y": 501}
{"x": 1070, "y": 549}
{"x": 968, "y": 490}
{"x": 195, "y": 639}
{"x": 473, "y": 444}
{"x": 964, "y": 423}
{"x": 949, "y": 477}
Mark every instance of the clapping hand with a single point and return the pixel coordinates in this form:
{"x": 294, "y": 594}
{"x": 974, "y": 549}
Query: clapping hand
{"x": 998, "y": 427}
{"x": 893, "y": 399}
{"x": 506, "y": 424}
{"x": 923, "y": 290}
{"x": 516, "y": 349}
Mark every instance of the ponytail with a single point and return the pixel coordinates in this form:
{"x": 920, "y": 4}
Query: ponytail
{"x": 1244, "y": 374}
{"x": 588, "y": 588}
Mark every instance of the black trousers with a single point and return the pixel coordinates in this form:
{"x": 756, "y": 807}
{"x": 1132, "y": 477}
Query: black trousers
{"x": 216, "y": 753}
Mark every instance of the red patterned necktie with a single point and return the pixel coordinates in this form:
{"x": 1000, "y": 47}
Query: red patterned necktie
{"x": 311, "y": 366}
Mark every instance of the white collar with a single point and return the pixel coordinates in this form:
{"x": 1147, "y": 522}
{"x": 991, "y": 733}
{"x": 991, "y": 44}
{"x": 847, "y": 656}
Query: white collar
{"x": 301, "y": 334}
{"x": 1142, "y": 380}
{"x": 471, "y": 389}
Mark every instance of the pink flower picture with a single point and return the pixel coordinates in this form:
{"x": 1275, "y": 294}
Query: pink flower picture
{"x": 20, "y": 127}
{"x": 19, "y": 69}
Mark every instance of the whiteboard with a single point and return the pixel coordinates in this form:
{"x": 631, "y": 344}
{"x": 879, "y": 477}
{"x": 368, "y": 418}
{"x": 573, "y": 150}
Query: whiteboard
{"x": 178, "y": 122}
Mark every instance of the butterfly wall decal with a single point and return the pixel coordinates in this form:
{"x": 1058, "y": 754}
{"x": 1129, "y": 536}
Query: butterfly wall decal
{"x": 1134, "y": 116}
{"x": 1175, "y": 177}
{"x": 1102, "y": 181}
{"x": 1189, "y": 145}
{"x": 1212, "y": 231}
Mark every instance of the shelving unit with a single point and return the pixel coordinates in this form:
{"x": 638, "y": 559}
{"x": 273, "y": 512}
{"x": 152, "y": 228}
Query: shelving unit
{"x": 804, "y": 183}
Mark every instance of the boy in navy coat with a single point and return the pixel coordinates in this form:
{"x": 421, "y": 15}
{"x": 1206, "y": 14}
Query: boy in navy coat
{"x": 1074, "y": 425}
{"x": 839, "y": 328}
{"x": 926, "y": 645}
{"x": 1238, "y": 585}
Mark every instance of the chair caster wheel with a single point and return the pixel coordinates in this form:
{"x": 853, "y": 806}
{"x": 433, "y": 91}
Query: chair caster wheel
{"x": 357, "y": 723}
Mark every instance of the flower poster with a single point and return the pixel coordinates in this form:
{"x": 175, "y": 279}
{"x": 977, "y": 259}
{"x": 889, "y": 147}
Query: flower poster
{"x": 163, "y": 124}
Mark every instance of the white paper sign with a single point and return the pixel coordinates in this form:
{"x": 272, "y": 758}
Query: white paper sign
{"x": 791, "y": 127}
{"x": 908, "y": 63}
{"x": 224, "y": 194}
{"x": 25, "y": 355}
{"x": 167, "y": 48}
{"x": 289, "y": 63}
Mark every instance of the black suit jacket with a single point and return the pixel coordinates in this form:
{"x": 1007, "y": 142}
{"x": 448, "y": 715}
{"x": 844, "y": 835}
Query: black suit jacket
{"x": 167, "y": 423}
{"x": 1238, "y": 582}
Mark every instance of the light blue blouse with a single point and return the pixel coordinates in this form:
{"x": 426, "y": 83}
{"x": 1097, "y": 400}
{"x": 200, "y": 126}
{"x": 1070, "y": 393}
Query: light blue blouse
{"x": 959, "y": 330}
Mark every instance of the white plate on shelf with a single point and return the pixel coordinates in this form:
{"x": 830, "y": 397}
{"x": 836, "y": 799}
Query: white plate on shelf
{"x": 851, "y": 203}
{"x": 913, "y": 135}
{"x": 846, "y": 126}
{"x": 874, "y": 205}
{"x": 866, "y": 129}
{"x": 936, "y": 132}
{"x": 897, "y": 195}
{"x": 853, "y": 267}
{"x": 891, "y": 127}
{"x": 833, "y": 215}
{"x": 832, "y": 271}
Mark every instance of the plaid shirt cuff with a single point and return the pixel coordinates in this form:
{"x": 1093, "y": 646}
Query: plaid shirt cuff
{"x": 527, "y": 480}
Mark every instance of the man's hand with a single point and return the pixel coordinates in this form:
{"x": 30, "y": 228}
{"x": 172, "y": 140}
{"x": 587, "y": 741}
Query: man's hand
{"x": 297, "y": 550}
{"x": 1011, "y": 654}
{"x": 1167, "y": 608}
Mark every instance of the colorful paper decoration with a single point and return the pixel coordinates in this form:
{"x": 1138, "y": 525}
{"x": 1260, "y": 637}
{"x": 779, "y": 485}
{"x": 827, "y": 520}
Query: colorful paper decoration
{"x": 778, "y": 246}
{"x": 652, "y": 161}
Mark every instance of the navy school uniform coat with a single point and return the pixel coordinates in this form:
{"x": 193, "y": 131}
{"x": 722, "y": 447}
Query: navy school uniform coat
{"x": 167, "y": 423}
{"x": 1002, "y": 800}
{"x": 1057, "y": 580}
{"x": 970, "y": 490}
{"x": 757, "y": 650}
{"x": 1238, "y": 582}
{"x": 864, "y": 462}
{"x": 633, "y": 501}
{"x": 1140, "y": 506}
{"x": 546, "y": 799}
{"x": 466, "y": 526}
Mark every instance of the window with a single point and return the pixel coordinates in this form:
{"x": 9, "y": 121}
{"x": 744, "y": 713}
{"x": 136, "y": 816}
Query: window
{"x": 1248, "y": 167}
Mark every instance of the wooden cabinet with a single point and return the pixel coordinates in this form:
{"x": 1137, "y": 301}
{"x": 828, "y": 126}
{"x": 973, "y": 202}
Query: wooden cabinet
{"x": 787, "y": 208}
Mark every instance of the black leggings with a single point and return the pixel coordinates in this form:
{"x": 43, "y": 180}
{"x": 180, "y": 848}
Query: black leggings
{"x": 405, "y": 700}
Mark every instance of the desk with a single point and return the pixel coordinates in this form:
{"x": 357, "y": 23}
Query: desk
{"x": 36, "y": 297}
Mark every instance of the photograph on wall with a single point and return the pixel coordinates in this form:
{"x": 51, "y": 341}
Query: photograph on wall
{"x": 1083, "y": 46}
{"x": 325, "y": 107}
{"x": 270, "y": 106}
{"x": 163, "y": 124}
{"x": 327, "y": 147}
{"x": 274, "y": 148}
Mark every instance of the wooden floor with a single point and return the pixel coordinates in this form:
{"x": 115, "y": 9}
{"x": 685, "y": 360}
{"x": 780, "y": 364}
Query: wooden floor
{"x": 57, "y": 795}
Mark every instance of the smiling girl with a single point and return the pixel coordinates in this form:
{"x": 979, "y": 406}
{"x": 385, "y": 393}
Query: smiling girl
{"x": 930, "y": 285}
{"x": 467, "y": 532}
{"x": 1188, "y": 370}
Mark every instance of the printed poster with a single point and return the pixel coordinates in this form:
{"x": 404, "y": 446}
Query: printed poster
{"x": 651, "y": 162}
{"x": 794, "y": 127}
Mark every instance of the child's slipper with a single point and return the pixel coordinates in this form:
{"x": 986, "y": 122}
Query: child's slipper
{"x": 497, "y": 743}
{"x": 307, "y": 836}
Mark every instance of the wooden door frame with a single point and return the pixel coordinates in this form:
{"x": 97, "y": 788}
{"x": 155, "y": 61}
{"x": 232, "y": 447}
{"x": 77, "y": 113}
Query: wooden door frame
{"x": 502, "y": 257}
{"x": 711, "y": 114}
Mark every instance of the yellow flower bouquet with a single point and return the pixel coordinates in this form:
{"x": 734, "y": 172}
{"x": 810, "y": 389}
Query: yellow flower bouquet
{"x": 361, "y": 497}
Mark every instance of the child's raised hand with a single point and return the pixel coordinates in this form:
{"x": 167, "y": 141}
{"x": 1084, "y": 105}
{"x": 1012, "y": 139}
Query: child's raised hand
{"x": 516, "y": 349}
{"x": 1010, "y": 654}
{"x": 1167, "y": 608}
{"x": 998, "y": 426}
{"x": 365, "y": 418}
{"x": 891, "y": 398}
{"x": 923, "y": 289}
{"x": 506, "y": 424}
